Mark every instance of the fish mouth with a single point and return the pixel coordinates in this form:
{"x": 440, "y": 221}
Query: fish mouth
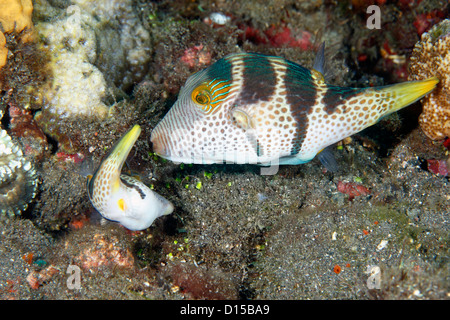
{"x": 159, "y": 145}
{"x": 161, "y": 148}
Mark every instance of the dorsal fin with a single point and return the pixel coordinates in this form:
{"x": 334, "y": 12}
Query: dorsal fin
{"x": 319, "y": 61}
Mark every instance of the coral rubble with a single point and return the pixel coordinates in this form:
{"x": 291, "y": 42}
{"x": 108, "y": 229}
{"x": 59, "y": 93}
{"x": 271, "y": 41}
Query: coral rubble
{"x": 431, "y": 57}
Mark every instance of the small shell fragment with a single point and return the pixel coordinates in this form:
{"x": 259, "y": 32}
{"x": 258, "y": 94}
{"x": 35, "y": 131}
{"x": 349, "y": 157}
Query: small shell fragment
{"x": 382, "y": 245}
{"x": 217, "y": 19}
{"x": 333, "y": 236}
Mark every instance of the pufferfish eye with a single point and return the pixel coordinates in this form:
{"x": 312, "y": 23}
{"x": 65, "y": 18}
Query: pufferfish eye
{"x": 201, "y": 96}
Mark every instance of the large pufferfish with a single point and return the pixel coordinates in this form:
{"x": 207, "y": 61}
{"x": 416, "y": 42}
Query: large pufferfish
{"x": 122, "y": 198}
{"x": 259, "y": 109}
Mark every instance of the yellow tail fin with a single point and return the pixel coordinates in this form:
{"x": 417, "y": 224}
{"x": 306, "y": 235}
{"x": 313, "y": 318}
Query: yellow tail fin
{"x": 405, "y": 93}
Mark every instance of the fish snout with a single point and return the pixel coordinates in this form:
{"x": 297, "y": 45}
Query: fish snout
{"x": 159, "y": 143}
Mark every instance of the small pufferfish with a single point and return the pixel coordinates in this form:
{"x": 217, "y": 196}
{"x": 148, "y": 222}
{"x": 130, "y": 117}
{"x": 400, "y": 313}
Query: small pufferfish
{"x": 122, "y": 198}
{"x": 259, "y": 109}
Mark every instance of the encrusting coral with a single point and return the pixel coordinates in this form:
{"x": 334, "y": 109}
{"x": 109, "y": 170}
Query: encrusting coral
{"x": 78, "y": 86}
{"x": 96, "y": 51}
{"x": 15, "y": 15}
{"x": 3, "y": 50}
{"x": 431, "y": 57}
